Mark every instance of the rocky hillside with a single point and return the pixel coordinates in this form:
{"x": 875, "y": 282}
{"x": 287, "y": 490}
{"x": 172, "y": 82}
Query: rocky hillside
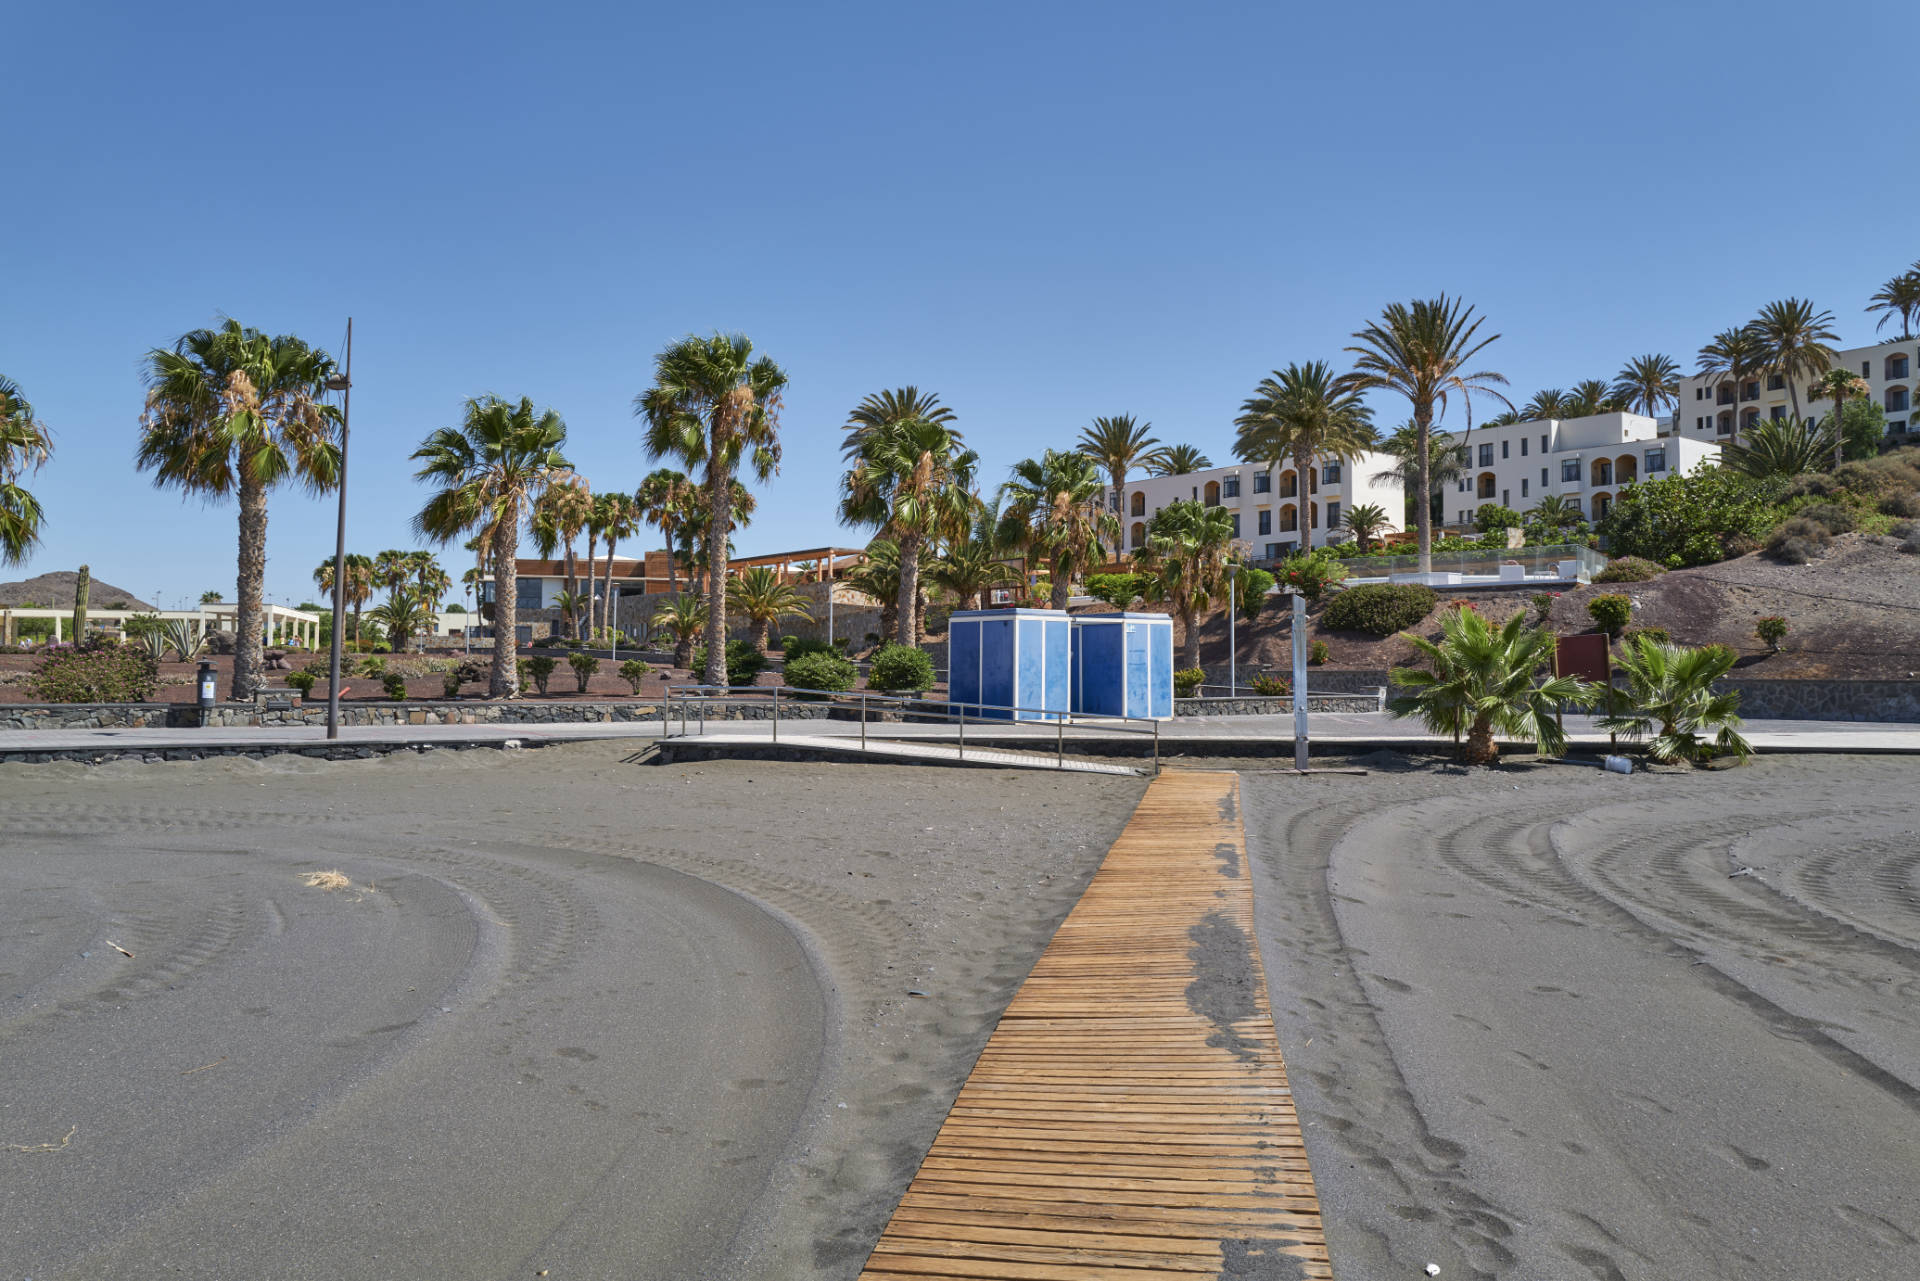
{"x": 55, "y": 591}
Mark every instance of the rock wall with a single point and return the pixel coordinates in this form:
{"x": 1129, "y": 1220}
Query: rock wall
{"x": 1261, "y": 706}
{"x": 1828, "y": 700}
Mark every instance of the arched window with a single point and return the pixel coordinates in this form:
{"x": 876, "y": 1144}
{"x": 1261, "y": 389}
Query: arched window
{"x": 1139, "y": 535}
{"x": 1724, "y": 394}
{"x": 1600, "y": 504}
{"x": 1137, "y": 503}
{"x": 1897, "y": 399}
{"x": 1483, "y": 487}
{"x": 1724, "y": 427}
{"x": 1289, "y": 484}
{"x": 1748, "y": 419}
{"x": 1896, "y": 365}
{"x": 1601, "y": 473}
{"x": 1626, "y": 468}
{"x": 1313, "y": 481}
{"x": 1213, "y": 493}
{"x": 1289, "y": 519}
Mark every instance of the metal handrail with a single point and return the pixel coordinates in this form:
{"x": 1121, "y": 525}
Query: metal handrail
{"x": 701, "y": 695}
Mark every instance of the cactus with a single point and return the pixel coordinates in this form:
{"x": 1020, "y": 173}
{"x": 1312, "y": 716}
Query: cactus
{"x": 81, "y": 586}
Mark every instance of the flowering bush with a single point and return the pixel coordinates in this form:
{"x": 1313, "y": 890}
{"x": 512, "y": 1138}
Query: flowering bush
{"x": 1312, "y": 573}
{"x": 95, "y": 673}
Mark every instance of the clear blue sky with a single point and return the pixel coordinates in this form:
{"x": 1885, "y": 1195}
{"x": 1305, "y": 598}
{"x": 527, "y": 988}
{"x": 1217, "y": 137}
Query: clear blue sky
{"x": 1040, "y": 211}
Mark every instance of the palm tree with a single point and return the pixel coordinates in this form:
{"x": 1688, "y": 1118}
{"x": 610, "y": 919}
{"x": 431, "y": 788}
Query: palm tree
{"x": 1422, "y": 351}
{"x": 663, "y": 498}
{"x": 970, "y": 568}
{"x": 1795, "y": 340}
{"x": 564, "y": 508}
{"x": 763, "y": 596}
{"x": 685, "y": 616}
{"x": 884, "y": 408}
{"x": 1299, "y": 412}
{"x": 1591, "y": 396}
{"x": 407, "y": 609}
{"x": 1547, "y": 403}
{"x": 1839, "y": 385}
{"x": 1779, "y": 447}
{"x": 233, "y": 411}
{"x": 392, "y": 568}
{"x": 1899, "y": 297}
{"x": 1480, "y": 681}
{"x": 713, "y": 405}
{"x": 912, "y": 483}
{"x": 430, "y": 577}
{"x": 1446, "y": 464}
{"x": 1119, "y": 444}
{"x": 1186, "y": 558}
{"x": 1736, "y": 355}
{"x": 1671, "y": 687}
{"x": 359, "y": 574}
{"x": 1648, "y": 384}
{"x": 878, "y": 576}
{"x": 1554, "y": 514}
{"x": 619, "y": 518}
{"x": 568, "y": 603}
{"x": 1176, "y": 460}
{"x": 24, "y": 446}
{"x": 1367, "y": 521}
{"x": 491, "y": 470}
{"x": 1052, "y": 508}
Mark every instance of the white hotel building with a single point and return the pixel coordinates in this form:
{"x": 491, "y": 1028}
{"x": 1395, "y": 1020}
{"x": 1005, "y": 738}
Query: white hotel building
{"x": 1716, "y": 409}
{"x": 1275, "y": 511}
{"x": 1585, "y": 461}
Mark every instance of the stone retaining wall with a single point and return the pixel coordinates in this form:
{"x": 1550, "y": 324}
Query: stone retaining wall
{"x": 528, "y": 712}
{"x": 1764, "y": 698}
{"x": 1283, "y": 706}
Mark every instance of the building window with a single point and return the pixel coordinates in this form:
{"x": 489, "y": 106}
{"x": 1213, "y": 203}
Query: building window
{"x": 1503, "y": 448}
{"x": 526, "y": 594}
{"x": 1289, "y": 519}
{"x": 1137, "y": 503}
{"x": 1699, "y": 393}
{"x": 1506, "y": 498}
{"x": 1570, "y": 471}
{"x": 1273, "y": 551}
{"x": 1290, "y": 486}
{"x": 1330, "y": 474}
{"x": 1523, "y": 487}
{"x": 1486, "y": 455}
{"x": 1574, "y": 502}
{"x": 1333, "y": 515}
{"x": 1543, "y": 475}
{"x": 1236, "y": 524}
{"x": 1523, "y": 446}
{"x": 1898, "y": 424}
{"x": 1775, "y": 382}
{"x": 1778, "y": 413}
{"x": 1897, "y": 399}
{"x": 1139, "y": 538}
{"x": 1484, "y": 485}
{"x": 1266, "y": 521}
{"x": 1543, "y": 442}
{"x": 1751, "y": 391}
{"x": 1463, "y": 484}
{"x": 1897, "y": 365}
{"x": 1866, "y": 369}
{"x": 1656, "y": 460}
{"x": 1263, "y": 482}
{"x": 1230, "y": 487}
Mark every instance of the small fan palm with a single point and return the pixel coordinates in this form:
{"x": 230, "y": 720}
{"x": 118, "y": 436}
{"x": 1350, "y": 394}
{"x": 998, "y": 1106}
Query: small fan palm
{"x": 1554, "y": 515}
{"x": 1779, "y": 447}
{"x": 616, "y": 516}
{"x": 683, "y": 617}
{"x": 762, "y": 596}
{"x": 24, "y": 446}
{"x": 1591, "y": 396}
{"x": 1177, "y": 460}
{"x": 1367, "y": 521}
{"x": 1446, "y": 463}
{"x": 1671, "y": 689}
{"x": 1481, "y": 681}
{"x": 407, "y": 611}
{"x": 1647, "y": 384}
{"x": 970, "y": 569}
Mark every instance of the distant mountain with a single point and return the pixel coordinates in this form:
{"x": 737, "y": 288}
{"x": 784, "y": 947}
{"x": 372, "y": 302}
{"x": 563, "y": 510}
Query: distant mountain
{"x": 55, "y": 591}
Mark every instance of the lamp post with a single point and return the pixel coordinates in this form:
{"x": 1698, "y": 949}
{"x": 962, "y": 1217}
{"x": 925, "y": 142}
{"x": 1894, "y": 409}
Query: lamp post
{"x": 341, "y": 382}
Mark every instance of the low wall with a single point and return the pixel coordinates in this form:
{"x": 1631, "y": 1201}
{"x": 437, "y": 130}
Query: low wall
{"x": 518, "y": 712}
{"x": 1275, "y": 706}
{"x": 1320, "y": 680}
{"x": 1764, "y": 698}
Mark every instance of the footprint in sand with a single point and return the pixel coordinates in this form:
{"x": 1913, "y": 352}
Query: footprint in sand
{"x": 1882, "y": 1230}
{"x": 1734, "y": 1156}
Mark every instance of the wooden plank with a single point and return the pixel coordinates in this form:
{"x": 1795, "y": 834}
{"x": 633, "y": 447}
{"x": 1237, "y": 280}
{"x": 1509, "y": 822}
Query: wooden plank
{"x": 1100, "y": 1134}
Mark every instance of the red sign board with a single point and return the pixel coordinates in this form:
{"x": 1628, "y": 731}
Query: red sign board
{"x": 1585, "y": 656}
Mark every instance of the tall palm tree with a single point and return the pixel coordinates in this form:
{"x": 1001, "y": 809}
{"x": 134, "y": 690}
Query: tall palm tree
{"x": 619, "y": 518}
{"x": 912, "y": 483}
{"x": 1840, "y": 386}
{"x": 1549, "y": 402}
{"x": 970, "y": 568}
{"x": 1736, "y": 355}
{"x": 359, "y": 574}
{"x": 1119, "y": 444}
{"x": 234, "y": 411}
{"x": 878, "y": 576}
{"x": 1051, "y": 508}
{"x": 699, "y": 561}
{"x": 1185, "y": 559}
{"x": 1592, "y": 396}
{"x": 894, "y": 406}
{"x": 1795, "y": 339}
{"x": 1670, "y": 689}
{"x": 713, "y": 405}
{"x": 663, "y": 497}
{"x": 1899, "y": 297}
{"x": 1422, "y": 350}
{"x": 1481, "y": 680}
{"x": 1367, "y": 521}
{"x": 563, "y": 510}
{"x": 24, "y": 446}
{"x": 1176, "y": 460}
{"x": 1446, "y": 464}
{"x": 762, "y": 596}
{"x": 433, "y": 581}
{"x": 1647, "y": 384}
{"x": 1299, "y": 412}
{"x": 490, "y": 471}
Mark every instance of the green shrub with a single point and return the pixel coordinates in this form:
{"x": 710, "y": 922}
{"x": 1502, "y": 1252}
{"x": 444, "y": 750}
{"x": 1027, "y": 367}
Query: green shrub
{"x": 584, "y": 666}
{"x": 1250, "y": 587}
{"x": 1381, "y": 609}
{"x": 1493, "y": 518}
{"x": 140, "y": 625}
{"x": 1901, "y": 505}
{"x": 1836, "y": 518}
{"x": 302, "y": 681}
{"x": 374, "y": 666}
{"x": 901, "y": 669}
{"x": 787, "y": 642}
{"x": 1117, "y": 589}
{"x": 743, "y": 661}
{"x": 1771, "y": 630}
{"x": 523, "y": 675}
{"x": 1187, "y": 680}
{"x": 395, "y": 684}
{"x": 1312, "y": 573}
{"x": 1271, "y": 686}
{"x": 1798, "y": 541}
{"x": 1542, "y": 607}
{"x": 1318, "y": 653}
{"x": 1629, "y": 569}
{"x": 794, "y": 647}
{"x": 633, "y": 671}
{"x": 450, "y": 683}
{"x": 822, "y": 671}
{"x": 1656, "y": 634}
{"x": 97, "y": 672}
{"x": 542, "y": 668}
{"x": 1611, "y": 611}
{"x": 1688, "y": 520}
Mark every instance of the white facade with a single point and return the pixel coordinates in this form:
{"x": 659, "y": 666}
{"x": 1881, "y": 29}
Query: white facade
{"x": 1715, "y": 409}
{"x": 1585, "y": 461}
{"x": 1275, "y": 511}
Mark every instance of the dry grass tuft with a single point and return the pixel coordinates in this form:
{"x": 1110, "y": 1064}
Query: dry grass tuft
{"x": 334, "y": 880}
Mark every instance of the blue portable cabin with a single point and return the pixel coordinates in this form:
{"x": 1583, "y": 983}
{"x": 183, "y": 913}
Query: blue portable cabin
{"x": 1123, "y": 665}
{"x": 1004, "y": 658}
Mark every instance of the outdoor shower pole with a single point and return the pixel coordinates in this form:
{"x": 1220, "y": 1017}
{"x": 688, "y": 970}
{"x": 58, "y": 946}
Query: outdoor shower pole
{"x": 342, "y": 383}
{"x": 1300, "y": 682}
{"x": 1233, "y": 648}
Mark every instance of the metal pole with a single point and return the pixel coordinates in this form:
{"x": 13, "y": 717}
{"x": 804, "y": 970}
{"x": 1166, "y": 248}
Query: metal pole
{"x": 340, "y": 550}
{"x": 830, "y": 648}
{"x": 1233, "y": 647}
{"x": 963, "y": 731}
{"x": 1300, "y": 682}
{"x": 863, "y": 722}
{"x": 1059, "y": 744}
{"x": 1156, "y": 749}
{"x": 776, "y": 713}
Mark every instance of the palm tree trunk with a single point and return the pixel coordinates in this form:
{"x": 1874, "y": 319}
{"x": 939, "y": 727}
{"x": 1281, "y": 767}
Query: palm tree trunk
{"x": 249, "y": 647}
{"x": 1058, "y": 589}
{"x": 503, "y": 681}
{"x": 1302, "y": 465}
{"x": 606, "y": 589}
{"x": 673, "y": 584}
{"x": 719, "y": 520}
{"x": 1192, "y": 626}
{"x": 1480, "y": 745}
{"x": 1423, "y": 466}
{"x": 907, "y": 610}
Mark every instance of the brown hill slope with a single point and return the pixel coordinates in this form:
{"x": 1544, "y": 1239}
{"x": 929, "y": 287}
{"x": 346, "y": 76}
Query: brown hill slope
{"x": 55, "y": 591}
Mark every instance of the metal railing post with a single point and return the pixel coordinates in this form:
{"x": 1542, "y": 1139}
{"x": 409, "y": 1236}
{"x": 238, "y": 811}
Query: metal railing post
{"x": 863, "y": 722}
{"x": 963, "y": 731}
{"x": 1156, "y": 749}
{"x": 1059, "y": 744}
{"x": 776, "y": 713}
{"x": 666, "y": 709}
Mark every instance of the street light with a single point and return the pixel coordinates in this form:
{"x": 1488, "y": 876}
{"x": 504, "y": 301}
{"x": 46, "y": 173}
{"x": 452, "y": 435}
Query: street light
{"x": 343, "y": 383}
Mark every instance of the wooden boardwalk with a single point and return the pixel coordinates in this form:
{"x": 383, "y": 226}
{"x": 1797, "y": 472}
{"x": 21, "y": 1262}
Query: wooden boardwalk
{"x": 1129, "y": 1119}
